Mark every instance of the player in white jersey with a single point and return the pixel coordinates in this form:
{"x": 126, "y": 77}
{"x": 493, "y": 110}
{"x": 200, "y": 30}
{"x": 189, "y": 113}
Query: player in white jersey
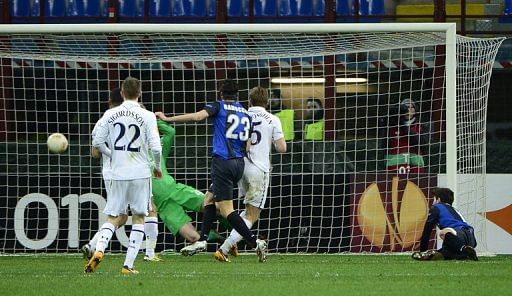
{"x": 131, "y": 133}
{"x": 115, "y": 99}
{"x": 266, "y": 131}
{"x": 150, "y": 221}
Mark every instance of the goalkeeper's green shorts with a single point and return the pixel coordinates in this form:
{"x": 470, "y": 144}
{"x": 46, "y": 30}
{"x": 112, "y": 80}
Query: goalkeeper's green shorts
{"x": 179, "y": 199}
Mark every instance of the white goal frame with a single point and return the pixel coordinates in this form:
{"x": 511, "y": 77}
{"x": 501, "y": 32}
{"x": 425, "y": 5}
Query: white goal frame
{"x": 451, "y": 178}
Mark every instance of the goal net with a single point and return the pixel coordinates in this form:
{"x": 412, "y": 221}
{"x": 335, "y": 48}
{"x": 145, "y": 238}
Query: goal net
{"x": 374, "y": 115}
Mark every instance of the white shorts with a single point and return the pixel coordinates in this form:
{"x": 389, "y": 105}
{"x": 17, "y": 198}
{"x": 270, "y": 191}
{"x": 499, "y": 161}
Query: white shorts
{"x": 254, "y": 186}
{"x": 107, "y": 185}
{"x": 123, "y": 193}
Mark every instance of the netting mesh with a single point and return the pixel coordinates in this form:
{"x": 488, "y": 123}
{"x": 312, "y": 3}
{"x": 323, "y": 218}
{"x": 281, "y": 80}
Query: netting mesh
{"x": 475, "y": 58}
{"x": 348, "y": 182}
{"x": 141, "y": 48}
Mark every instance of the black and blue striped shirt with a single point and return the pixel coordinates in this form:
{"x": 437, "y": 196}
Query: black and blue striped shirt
{"x": 443, "y": 215}
{"x": 231, "y": 128}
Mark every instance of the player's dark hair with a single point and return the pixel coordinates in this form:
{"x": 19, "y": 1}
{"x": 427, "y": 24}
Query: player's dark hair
{"x": 444, "y": 194}
{"x": 258, "y": 96}
{"x": 115, "y": 98}
{"x": 229, "y": 89}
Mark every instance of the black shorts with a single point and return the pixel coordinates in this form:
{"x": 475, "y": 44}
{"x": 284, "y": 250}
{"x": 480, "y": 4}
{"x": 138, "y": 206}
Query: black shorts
{"x": 225, "y": 174}
{"x": 467, "y": 237}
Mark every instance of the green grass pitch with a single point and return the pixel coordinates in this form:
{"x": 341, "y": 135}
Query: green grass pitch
{"x": 281, "y": 275}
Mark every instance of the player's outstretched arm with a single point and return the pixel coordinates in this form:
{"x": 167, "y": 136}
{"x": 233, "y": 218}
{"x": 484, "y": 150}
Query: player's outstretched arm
{"x": 197, "y": 116}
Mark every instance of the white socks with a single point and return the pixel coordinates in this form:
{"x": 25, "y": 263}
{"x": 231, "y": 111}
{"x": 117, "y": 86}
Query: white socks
{"x": 136, "y": 237}
{"x": 94, "y": 240}
{"x": 151, "y": 230}
{"x": 104, "y": 236}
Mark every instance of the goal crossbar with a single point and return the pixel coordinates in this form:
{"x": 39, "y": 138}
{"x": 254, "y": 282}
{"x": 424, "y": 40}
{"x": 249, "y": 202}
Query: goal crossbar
{"x": 226, "y": 28}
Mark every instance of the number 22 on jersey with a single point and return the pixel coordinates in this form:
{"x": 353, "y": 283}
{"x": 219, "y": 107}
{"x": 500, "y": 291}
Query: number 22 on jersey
{"x": 122, "y": 133}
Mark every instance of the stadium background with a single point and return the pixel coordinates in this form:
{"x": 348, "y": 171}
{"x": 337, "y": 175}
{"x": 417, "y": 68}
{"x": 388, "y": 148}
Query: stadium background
{"x": 474, "y": 18}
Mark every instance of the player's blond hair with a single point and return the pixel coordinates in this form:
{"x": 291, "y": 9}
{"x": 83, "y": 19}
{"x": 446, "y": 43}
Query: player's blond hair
{"x": 258, "y": 96}
{"x": 131, "y": 88}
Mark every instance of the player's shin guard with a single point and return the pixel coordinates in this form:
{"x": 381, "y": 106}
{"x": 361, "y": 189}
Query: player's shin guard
{"x": 209, "y": 214}
{"x": 240, "y": 226}
{"x": 136, "y": 237}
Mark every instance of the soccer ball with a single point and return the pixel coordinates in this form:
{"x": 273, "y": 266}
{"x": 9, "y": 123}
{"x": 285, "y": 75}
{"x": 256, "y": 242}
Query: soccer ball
{"x": 57, "y": 143}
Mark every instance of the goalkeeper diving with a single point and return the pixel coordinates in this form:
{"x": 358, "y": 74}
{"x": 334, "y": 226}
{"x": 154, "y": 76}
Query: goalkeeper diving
{"x": 172, "y": 199}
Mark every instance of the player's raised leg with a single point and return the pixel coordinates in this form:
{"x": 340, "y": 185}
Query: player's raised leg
{"x": 89, "y": 248}
{"x": 104, "y": 235}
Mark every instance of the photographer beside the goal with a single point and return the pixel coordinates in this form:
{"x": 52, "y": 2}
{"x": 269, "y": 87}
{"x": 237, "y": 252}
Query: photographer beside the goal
{"x": 314, "y": 122}
{"x": 458, "y": 236}
{"x": 404, "y": 138}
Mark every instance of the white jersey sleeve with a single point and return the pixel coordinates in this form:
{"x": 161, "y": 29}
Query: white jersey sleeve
{"x": 105, "y": 160}
{"x": 277, "y": 129}
{"x": 266, "y": 128}
{"x": 154, "y": 139}
{"x": 130, "y": 132}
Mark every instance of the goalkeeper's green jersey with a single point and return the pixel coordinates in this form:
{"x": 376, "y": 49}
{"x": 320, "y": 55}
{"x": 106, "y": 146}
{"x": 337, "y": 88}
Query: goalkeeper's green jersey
{"x": 173, "y": 199}
{"x": 163, "y": 188}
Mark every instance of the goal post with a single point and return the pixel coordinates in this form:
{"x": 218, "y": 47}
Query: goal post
{"x": 359, "y": 170}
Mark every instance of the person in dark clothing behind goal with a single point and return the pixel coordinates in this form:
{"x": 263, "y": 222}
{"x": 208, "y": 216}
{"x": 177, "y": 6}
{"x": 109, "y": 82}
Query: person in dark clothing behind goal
{"x": 231, "y": 130}
{"x": 457, "y": 235}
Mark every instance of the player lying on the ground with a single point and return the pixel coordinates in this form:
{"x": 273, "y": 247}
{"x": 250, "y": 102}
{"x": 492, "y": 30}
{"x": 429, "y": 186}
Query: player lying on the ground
{"x": 457, "y": 235}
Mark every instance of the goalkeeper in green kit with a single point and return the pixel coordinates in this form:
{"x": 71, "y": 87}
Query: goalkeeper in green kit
{"x": 172, "y": 199}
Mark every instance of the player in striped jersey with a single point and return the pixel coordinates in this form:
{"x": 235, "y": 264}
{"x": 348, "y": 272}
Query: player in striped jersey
{"x": 231, "y": 129}
{"x": 457, "y": 235}
{"x": 131, "y": 133}
{"x": 266, "y": 131}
